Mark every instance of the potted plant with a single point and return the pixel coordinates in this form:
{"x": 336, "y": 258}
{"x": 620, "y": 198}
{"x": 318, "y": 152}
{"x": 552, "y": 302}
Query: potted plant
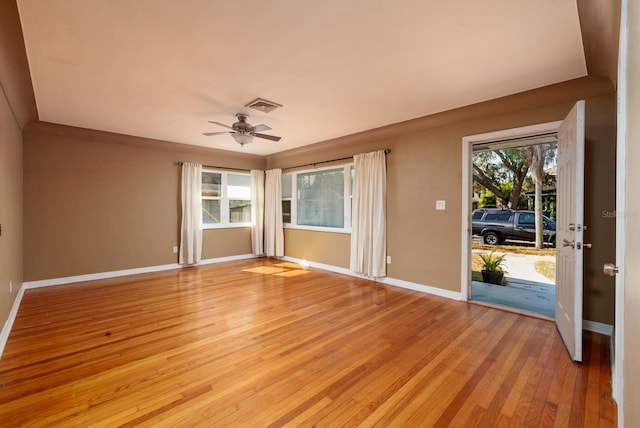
{"x": 492, "y": 268}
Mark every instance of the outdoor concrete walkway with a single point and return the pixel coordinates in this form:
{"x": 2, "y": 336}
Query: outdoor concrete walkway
{"x": 523, "y": 266}
{"x": 525, "y": 289}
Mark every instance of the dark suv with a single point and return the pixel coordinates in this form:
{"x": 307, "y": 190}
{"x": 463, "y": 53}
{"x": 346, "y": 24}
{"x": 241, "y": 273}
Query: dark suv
{"x": 496, "y": 225}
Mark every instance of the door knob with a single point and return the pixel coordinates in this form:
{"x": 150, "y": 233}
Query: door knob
{"x": 572, "y": 227}
{"x": 567, "y": 243}
{"x": 610, "y": 269}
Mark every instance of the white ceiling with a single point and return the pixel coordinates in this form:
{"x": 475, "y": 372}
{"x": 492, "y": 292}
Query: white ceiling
{"x": 162, "y": 68}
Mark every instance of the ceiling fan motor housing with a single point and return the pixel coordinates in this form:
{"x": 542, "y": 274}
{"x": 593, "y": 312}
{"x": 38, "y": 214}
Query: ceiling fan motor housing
{"x": 242, "y": 124}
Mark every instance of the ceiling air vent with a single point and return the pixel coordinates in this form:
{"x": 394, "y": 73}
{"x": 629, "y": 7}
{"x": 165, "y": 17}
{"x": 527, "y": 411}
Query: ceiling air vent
{"x": 263, "y": 105}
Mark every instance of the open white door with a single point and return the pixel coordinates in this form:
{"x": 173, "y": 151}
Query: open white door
{"x": 570, "y": 230}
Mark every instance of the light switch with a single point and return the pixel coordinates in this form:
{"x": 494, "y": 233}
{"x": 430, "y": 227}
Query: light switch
{"x": 441, "y": 205}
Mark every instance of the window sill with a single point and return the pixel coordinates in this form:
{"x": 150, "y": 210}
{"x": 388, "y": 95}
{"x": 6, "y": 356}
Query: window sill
{"x": 318, "y": 229}
{"x": 226, "y": 226}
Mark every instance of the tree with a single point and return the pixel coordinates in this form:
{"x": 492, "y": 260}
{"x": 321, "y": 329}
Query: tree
{"x": 540, "y": 156}
{"x": 512, "y": 165}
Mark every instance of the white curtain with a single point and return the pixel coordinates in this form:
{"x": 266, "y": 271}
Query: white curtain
{"x": 257, "y": 212}
{"x": 273, "y": 231}
{"x": 369, "y": 229}
{"x": 191, "y": 227}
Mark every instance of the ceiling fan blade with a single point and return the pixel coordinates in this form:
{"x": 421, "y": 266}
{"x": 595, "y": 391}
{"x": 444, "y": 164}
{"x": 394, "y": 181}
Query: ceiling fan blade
{"x": 208, "y": 134}
{"x": 221, "y": 124}
{"x": 267, "y": 137}
{"x": 261, "y": 127}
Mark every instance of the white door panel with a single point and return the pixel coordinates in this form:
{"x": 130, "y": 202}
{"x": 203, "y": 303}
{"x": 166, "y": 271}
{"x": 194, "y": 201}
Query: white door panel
{"x": 570, "y": 230}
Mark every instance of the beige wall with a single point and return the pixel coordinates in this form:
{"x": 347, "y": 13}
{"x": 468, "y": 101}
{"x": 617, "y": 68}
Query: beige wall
{"x": 321, "y": 247}
{"x": 226, "y": 242}
{"x": 14, "y": 67}
{"x": 99, "y": 202}
{"x": 425, "y": 164}
{"x": 10, "y": 208}
{"x": 17, "y": 106}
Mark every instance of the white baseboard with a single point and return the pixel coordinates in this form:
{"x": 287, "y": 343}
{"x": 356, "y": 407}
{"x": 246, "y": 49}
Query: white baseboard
{"x": 597, "y": 327}
{"x": 95, "y": 276}
{"x": 453, "y": 295}
{"x": 227, "y": 259}
{"x": 8, "y": 325}
{"x": 322, "y": 266}
{"x": 386, "y": 280}
{"x": 125, "y": 272}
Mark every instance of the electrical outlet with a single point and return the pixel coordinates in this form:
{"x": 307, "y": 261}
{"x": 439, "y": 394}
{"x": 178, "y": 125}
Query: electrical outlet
{"x": 441, "y": 205}
{"x": 175, "y": 249}
{"x": 388, "y": 260}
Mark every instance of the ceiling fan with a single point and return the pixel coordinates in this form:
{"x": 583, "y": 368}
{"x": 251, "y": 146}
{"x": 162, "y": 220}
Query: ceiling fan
{"x": 242, "y": 131}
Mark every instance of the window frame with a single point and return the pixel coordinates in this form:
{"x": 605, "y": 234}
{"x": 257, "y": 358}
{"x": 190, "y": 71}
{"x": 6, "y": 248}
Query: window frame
{"x": 347, "y": 196}
{"x": 225, "y": 222}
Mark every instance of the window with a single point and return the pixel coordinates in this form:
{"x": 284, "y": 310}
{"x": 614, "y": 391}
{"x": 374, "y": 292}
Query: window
{"x": 286, "y": 198}
{"x": 226, "y": 199}
{"x": 318, "y": 199}
{"x": 211, "y": 197}
{"x": 477, "y": 215}
{"x": 527, "y": 218}
{"x": 321, "y": 198}
{"x": 498, "y": 217}
{"x": 239, "y": 194}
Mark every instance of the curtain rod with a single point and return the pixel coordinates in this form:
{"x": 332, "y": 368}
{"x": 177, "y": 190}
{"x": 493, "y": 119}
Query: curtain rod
{"x": 386, "y": 152}
{"x": 221, "y": 167}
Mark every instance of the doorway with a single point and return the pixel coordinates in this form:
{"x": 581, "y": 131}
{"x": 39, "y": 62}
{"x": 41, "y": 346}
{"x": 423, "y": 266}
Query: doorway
{"x": 501, "y": 198}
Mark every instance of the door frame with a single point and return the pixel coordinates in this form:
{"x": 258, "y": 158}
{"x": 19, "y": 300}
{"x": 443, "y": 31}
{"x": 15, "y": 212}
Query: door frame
{"x": 617, "y": 367}
{"x": 467, "y": 185}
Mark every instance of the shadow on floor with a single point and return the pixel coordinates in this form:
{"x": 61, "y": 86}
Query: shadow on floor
{"x": 525, "y": 296}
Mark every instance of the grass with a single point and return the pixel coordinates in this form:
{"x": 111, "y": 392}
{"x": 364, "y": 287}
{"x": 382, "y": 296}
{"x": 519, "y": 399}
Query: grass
{"x": 547, "y": 269}
{"x": 476, "y": 267}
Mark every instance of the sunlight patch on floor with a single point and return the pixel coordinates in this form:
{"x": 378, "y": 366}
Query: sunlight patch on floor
{"x": 294, "y": 272}
{"x": 285, "y": 269}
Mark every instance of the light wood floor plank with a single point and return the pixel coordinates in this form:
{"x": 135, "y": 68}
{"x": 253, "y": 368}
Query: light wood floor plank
{"x": 254, "y": 344}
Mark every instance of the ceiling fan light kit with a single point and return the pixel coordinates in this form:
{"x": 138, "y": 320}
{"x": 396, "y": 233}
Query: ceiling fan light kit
{"x": 242, "y": 131}
{"x": 242, "y": 138}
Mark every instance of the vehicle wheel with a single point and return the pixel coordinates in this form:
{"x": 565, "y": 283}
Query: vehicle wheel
{"x": 491, "y": 238}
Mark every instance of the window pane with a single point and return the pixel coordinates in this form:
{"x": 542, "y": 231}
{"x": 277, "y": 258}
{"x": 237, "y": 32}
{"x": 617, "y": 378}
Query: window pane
{"x": 286, "y": 211}
{"x": 321, "y": 198}
{"x": 239, "y": 186}
{"x": 212, "y": 184}
{"x": 352, "y": 170}
{"x": 286, "y": 186}
{"x": 239, "y": 211}
{"x": 210, "y": 211}
{"x": 497, "y": 217}
{"x": 527, "y": 218}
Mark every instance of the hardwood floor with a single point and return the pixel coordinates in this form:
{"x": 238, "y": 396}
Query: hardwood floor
{"x": 260, "y": 343}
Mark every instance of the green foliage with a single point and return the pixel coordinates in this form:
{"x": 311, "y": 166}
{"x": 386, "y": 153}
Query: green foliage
{"x": 501, "y": 176}
{"x": 507, "y": 189}
{"x": 493, "y": 262}
{"x": 488, "y": 200}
